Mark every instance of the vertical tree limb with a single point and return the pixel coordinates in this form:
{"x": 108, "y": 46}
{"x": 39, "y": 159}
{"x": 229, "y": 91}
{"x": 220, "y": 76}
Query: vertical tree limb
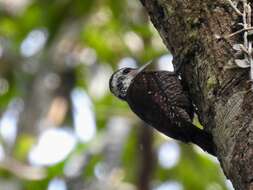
{"x": 223, "y": 96}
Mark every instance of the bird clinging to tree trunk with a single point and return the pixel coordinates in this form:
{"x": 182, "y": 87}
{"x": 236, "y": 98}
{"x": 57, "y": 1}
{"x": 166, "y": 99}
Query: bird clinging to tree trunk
{"x": 159, "y": 99}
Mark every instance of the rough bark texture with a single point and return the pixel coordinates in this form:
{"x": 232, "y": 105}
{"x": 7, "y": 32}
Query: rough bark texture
{"x": 222, "y": 96}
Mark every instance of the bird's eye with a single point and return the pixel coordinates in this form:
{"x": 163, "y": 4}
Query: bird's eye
{"x": 120, "y": 85}
{"x": 125, "y": 71}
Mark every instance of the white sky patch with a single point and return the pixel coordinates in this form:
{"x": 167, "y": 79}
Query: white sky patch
{"x": 168, "y": 154}
{"x": 53, "y": 146}
{"x": 57, "y": 184}
{"x": 84, "y": 117}
{"x": 170, "y": 185}
{"x": 34, "y": 42}
{"x": 127, "y": 62}
{"x": 165, "y": 63}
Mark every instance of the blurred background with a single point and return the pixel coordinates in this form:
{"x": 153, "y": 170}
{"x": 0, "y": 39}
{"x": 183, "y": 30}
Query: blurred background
{"x": 60, "y": 128}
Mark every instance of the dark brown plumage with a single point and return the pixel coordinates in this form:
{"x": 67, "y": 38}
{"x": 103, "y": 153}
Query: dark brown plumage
{"x": 159, "y": 99}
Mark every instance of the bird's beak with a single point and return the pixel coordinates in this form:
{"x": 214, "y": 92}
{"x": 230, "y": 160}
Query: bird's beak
{"x": 143, "y": 67}
{"x": 135, "y": 72}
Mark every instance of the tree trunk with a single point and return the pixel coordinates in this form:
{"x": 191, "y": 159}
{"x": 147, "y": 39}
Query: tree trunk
{"x": 222, "y": 96}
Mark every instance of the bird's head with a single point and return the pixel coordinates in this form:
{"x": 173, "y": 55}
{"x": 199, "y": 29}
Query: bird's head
{"x": 122, "y": 79}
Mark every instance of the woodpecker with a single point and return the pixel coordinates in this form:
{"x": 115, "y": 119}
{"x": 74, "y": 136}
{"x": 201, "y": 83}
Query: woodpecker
{"x": 158, "y": 98}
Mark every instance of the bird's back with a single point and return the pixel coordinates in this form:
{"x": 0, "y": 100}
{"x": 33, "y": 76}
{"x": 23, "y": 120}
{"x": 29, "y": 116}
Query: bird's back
{"x": 158, "y": 96}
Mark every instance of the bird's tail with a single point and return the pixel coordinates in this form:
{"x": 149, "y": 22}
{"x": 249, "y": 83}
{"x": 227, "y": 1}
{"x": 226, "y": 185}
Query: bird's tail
{"x": 204, "y": 140}
{"x": 189, "y": 133}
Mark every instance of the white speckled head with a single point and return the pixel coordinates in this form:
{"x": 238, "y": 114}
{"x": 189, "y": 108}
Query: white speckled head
{"x": 121, "y": 80}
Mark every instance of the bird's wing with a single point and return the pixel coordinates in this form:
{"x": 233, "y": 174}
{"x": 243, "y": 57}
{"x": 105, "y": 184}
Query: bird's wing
{"x": 154, "y": 96}
{"x": 142, "y": 99}
{"x": 176, "y": 97}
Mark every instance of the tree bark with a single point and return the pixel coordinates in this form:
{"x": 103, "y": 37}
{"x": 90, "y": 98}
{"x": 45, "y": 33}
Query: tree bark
{"x": 222, "y": 96}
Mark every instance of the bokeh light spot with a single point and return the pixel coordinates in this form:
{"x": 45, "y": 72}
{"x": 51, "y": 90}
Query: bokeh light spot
{"x": 84, "y": 118}
{"x": 53, "y": 146}
{"x": 133, "y": 42}
{"x": 165, "y": 63}
{"x": 9, "y": 120}
{"x": 34, "y": 42}
{"x": 168, "y": 154}
{"x": 127, "y": 62}
{"x": 57, "y": 184}
{"x": 170, "y": 185}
